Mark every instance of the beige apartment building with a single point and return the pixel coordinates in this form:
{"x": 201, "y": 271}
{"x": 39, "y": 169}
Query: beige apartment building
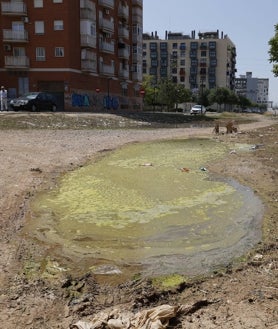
{"x": 206, "y": 60}
{"x": 86, "y": 52}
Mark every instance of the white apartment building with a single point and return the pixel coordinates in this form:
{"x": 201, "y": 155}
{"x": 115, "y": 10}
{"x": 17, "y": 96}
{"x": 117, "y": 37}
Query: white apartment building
{"x": 255, "y": 89}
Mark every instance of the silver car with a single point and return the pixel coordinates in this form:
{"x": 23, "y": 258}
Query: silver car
{"x": 198, "y": 109}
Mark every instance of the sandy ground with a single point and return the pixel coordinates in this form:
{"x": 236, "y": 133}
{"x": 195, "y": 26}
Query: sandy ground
{"x": 243, "y": 295}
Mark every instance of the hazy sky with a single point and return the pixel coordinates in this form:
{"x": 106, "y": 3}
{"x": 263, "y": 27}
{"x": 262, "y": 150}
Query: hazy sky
{"x": 248, "y": 23}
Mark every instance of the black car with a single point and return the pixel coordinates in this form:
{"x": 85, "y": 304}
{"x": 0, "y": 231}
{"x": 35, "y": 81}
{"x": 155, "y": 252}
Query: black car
{"x": 35, "y": 101}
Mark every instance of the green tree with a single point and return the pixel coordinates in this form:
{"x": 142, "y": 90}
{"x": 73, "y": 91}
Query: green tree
{"x": 244, "y": 102}
{"x": 273, "y": 51}
{"x": 167, "y": 93}
{"x": 147, "y": 85}
{"x": 220, "y": 96}
{"x": 183, "y": 95}
{"x": 203, "y": 97}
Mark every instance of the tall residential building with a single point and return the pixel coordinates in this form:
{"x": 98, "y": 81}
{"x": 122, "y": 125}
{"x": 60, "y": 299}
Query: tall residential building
{"x": 206, "y": 61}
{"x": 87, "y": 52}
{"x": 255, "y": 89}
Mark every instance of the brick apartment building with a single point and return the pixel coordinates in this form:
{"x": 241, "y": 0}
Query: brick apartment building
{"x": 87, "y": 52}
{"x": 204, "y": 61}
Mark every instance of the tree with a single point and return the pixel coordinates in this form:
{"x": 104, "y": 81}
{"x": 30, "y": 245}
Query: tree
{"x": 167, "y": 93}
{"x": 273, "y": 51}
{"x": 147, "y": 85}
{"x": 183, "y": 95}
{"x": 243, "y": 102}
{"x": 219, "y": 95}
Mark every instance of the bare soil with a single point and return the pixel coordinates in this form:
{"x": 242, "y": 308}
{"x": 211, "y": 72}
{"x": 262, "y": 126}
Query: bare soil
{"x": 36, "y": 149}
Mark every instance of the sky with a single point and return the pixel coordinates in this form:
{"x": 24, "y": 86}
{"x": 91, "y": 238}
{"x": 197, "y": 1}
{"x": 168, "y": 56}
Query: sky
{"x": 248, "y": 23}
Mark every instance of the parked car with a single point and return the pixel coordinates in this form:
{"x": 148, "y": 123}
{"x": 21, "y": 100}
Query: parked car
{"x": 198, "y": 109}
{"x": 34, "y": 101}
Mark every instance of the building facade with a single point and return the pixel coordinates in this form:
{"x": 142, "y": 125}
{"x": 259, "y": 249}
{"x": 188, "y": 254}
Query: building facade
{"x": 86, "y": 52}
{"x": 255, "y": 89}
{"x": 204, "y": 61}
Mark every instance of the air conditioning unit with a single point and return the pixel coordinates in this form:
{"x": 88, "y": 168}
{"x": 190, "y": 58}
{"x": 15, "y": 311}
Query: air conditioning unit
{"x": 25, "y": 19}
{"x": 7, "y": 47}
{"x": 107, "y": 11}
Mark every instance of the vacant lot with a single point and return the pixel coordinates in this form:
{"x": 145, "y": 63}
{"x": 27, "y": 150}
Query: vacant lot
{"x": 36, "y": 148}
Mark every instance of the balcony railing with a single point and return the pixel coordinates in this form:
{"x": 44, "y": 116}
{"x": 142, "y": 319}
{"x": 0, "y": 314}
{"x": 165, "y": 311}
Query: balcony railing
{"x": 136, "y": 76}
{"x": 123, "y": 11}
{"x": 107, "y": 69}
{"x": 137, "y": 2}
{"x": 15, "y": 36}
{"x": 17, "y": 62}
{"x": 87, "y": 4}
{"x": 88, "y": 41}
{"x": 137, "y": 15}
{"x": 124, "y": 73}
{"x": 123, "y": 53}
{"x": 13, "y": 8}
{"x": 137, "y": 38}
{"x": 88, "y": 65}
{"x": 107, "y": 3}
{"x": 123, "y": 32}
{"x": 88, "y": 14}
{"x": 107, "y": 47}
{"x": 136, "y": 57}
{"x": 106, "y": 25}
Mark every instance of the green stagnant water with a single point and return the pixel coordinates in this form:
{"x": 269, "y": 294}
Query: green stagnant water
{"x": 136, "y": 206}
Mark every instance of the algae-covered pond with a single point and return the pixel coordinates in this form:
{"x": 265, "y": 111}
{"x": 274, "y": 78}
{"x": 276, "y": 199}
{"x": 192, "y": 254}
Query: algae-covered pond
{"x": 153, "y": 206}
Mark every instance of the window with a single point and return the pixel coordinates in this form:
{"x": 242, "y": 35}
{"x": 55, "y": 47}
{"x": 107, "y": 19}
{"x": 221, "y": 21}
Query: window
{"x": 57, "y": 1}
{"x": 40, "y": 54}
{"x": 39, "y": 27}
{"x": 194, "y": 45}
{"x": 182, "y": 53}
{"x": 153, "y": 46}
{"x": 59, "y": 52}
{"x": 18, "y": 51}
{"x": 182, "y": 46}
{"x": 163, "y": 45}
{"x": 38, "y": 3}
{"x": 58, "y": 25}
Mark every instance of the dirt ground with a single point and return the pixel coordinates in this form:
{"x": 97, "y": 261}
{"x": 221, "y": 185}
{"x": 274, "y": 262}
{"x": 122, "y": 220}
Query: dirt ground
{"x": 241, "y": 295}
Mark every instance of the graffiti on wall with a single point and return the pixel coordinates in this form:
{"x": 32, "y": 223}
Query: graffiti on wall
{"x": 94, "y": 101}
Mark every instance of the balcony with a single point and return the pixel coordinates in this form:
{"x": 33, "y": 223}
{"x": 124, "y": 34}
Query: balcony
{"x": 87, "y": 4}
{"x": 107, "y": 47}
{"x": 137, "y": 3}
{"x": 137, "y": 15}
{"x": 123, "y": 11}
{"x": 123, "y": 32}
{"x": 124, "y": 53}
{"x": 137, "y": 38}
{"x": 17, "y": 62}
{"x": 107, "y": 3}
{"x": 124, "y": 72}
{"x": 107, "y": 69}
{"x": 15, "y": 36}
{"x": 88, "y": 41}
{"x": 88, "y": 65}
{"x": 136, "y": 76}
{"x": 106, "y": 25}
{"x": 88, "y": 14}
{"x": 14, "y": 8}
{"x": 136, "y": 57}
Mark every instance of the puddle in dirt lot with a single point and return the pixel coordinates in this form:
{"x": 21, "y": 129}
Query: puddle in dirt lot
{"x": 152, "y": 205}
